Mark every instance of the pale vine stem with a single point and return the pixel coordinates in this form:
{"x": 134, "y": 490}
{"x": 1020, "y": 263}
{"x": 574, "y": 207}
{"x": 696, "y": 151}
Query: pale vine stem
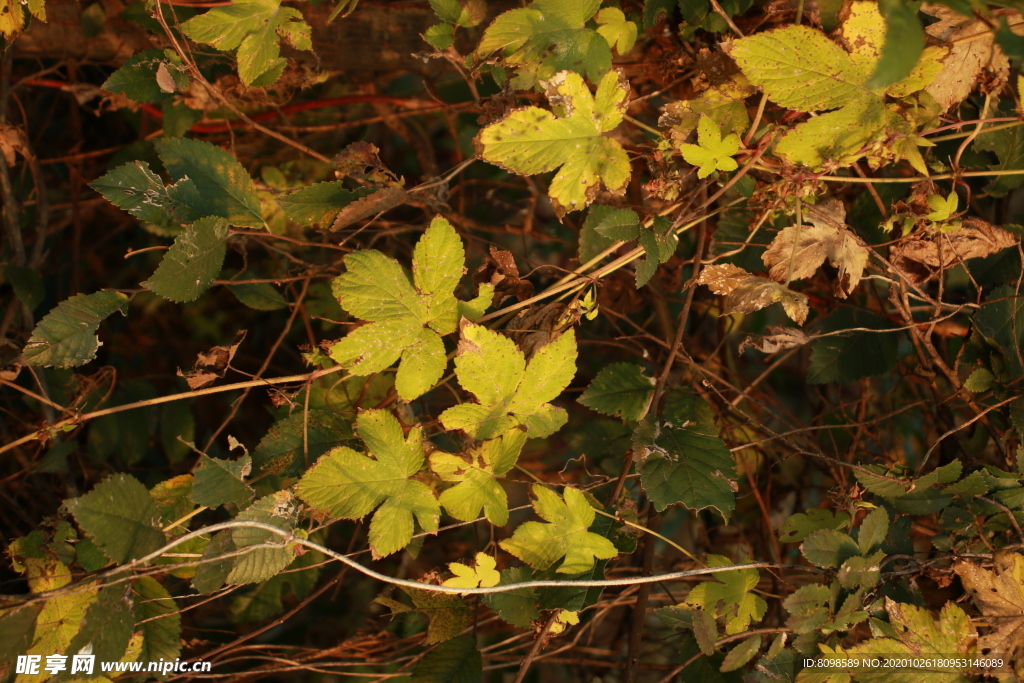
{"x": 288, "y": 539}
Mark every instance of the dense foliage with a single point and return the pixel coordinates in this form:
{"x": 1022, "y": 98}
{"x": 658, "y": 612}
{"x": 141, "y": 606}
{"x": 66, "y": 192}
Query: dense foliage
{"x": 466, "y": 366}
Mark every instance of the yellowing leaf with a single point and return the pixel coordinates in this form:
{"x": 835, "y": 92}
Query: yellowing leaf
{"x": 448, "y": 615}
{"x": 798, "y": 251}
{"x": 746, "y": 293}
{"x": 620, "y": 33}
{"x": 712, "y": 153}
{"x": 407, "y": 319}
{"x": 943, "y": 209}
{"x": 351, "y": 485}
{"x": 564, "y": 534}
{"x": 722, "y": 103}
{"x": 484, "y": 574}
{"x": 562, "y": 619}
{"x": 532, "y": 140}
{"x": 509, "y": 390}
{"x": 999, "y": 594}
{"x": 478, "y": 487}
{"x": 729, "y": 596}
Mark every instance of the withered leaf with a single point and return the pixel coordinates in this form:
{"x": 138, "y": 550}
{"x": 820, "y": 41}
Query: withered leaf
{"x": 746, "y": 293}
{"x": 798, "y": 251}
{"x": 382, "y": 200}
{"x": 499, "y": 269}
{"x": 920, "y": 254}
{"x": 360, "y": 161}
{"x": 12, "y": 141}
{"x": 777, "y": 339}
{"x": 999, "y": 595}
{"x": 211, "y": 365}
{"x": 534, "y": 328}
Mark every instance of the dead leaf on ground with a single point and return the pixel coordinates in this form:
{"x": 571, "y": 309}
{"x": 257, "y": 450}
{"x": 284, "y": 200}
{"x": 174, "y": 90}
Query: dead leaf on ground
{"x": 972, "y": 50}
{"x": 920, "y": 254}
{"x": 777, "y": 339}
{"x": 746, "y": 293}
{"x": 211, "y": 365}
{"x": 798, "y": 251}
{"x": 999, "y": 595}
{"x": 499, "y": 269}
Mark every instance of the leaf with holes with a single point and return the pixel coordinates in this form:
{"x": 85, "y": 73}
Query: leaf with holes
{"x": 190, "y": 265}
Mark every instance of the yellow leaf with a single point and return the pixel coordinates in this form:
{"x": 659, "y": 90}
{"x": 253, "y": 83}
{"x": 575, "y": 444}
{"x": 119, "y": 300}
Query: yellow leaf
{"x": 484, "y": 575}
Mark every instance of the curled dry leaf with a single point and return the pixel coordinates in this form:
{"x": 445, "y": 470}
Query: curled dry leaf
{"x": 972, "y": 50}
{"x": 746, "y": 293}
{"x": 380, "y": 201}
{"x": 12, "y": 141}
{"x": 799, "y": 250}
{"x": 999, "y": 595}
{"x": 923, "y": 252}
{"x": 777, "y": 339}
{"x": 499, "y": 269}
{"x": 211, "y": 365}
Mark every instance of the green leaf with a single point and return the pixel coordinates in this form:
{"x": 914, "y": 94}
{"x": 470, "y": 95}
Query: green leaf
{"x": 904, "y": 43}
{"x": 407, "y": 319}
{"x": 656, "y": 11}
{"x": 1008, "y": 146}
{"x": 979, "y": 381}
{"x": 260, "y": 296}
{"x": 121, "y": 518}
{"x": 797, "y": 527}
{"x": 729, "y": 596}
{"x": 620, "y": 33}
{"x": 191, "y": 264}
{"x": 852, "y": 356}
{"x": 440, "y": 36}
{"x": 619, "y": 390}
{"x": 603, "y": 227}
{"x": 509, "y": 390}
{"x": 448, "y": 615}
{"x": 265, "y": 601}
{"x": 136, "y": 79}
{"x": 66, "y": 336}
{"x": 277, "y": 509}
{"x": 319, "y": 203}
{"x": 281, "y": 450}
{"x": 873, "y": 531}
{"x": 251, "y": 27}
{"x": 27, "y": 285}
{"x": 222, "y": 481}
{"x": 107, "y": 625}
{"x": 548, "y": 37}
{"x": 158, "y": 617}
{"x": 467, "y": 13}
{"x": 136, "y": 189}
{"x": 517, "y": 607}
{"x": 532, "y": 140}
{"x": 713, "y": 153}
{"x": 942, "y": 209}
{"x": 17, "y": 631}
{"x": 828, "y": 548}
{"x": 478, "y": 488}
{"x": 227, "y": 189}
{"x": 918, "y": 497}
{"x": 563, "y": 534}
{"x": 686, "y": 465}
{"x": 453, "y": 661}
{"x": 837, "y": 135}
{"x": 741, "y": 654}
{"x": 350, "y": 485}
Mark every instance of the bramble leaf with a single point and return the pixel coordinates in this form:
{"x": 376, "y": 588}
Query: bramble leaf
{"x": 746, "y": 293}
{"x": 619, "y": 390}
{"x": 351, "y": 485}
{"x": 406, "y": 319}
{"x": 257, "y": 565}
{"x": 448, "y": 615}
{"x": 158, "y": 618}
{"x": 193, "y": 261}
{"x": 729, "y": 596}
{"x": 532, "y": 140}
{"x": 453, "y": 661}
{"x": 251, "y": 28}
{"x": 713, "y": 153}
{"x": 66, "y": 336}
{"x": 222, "y": 481}
{"x": 517, "y": 607}
{"x": 483, "y": 575}
{"x": 943, "y": 209}
{"x": 563, "y": 534}
{"x": 510, "y": 391}
{"x": 283, "y": 449}
{"x": 319, "y": 203}
{"x": 686, "y": 465}
{"x": 121, "y": 518}
{"x": 478, "y": 486}
{"x": 620, "y": 33}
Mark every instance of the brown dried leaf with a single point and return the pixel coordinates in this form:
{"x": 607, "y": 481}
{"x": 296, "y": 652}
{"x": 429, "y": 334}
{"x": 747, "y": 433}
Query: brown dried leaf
{"x": 921, "y": 253}
{"x": 499, "y": 269}
{"x": 12, "y": 141}
{"x": 972, "y": 49}
{"x": 360, "y": 161}
{"x": 777, "y": 339}
{"x": 798, "y": 251}
{"x": 211, "y": 365}
{"x": 380, "y": 201}
{"x": 999, "y": 595}
{"x": 534, "y": 328}
{"x": 746, "y": 293}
